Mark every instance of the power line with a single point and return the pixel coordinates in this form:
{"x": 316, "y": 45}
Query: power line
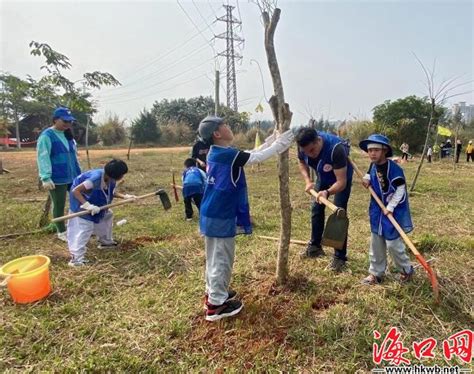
{"x": 155, "y": 92}
{"x": 166, "y": 80}
{"x": 158, "y": 72}
{"x": 197, "y": 28}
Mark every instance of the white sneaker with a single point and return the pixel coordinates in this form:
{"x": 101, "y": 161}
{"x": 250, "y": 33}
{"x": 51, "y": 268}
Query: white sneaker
{"x": 62, "y": 236}
{"x": 76, "y": 264}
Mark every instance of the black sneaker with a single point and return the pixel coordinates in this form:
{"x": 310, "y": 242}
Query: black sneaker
{"x": 113, "y": 244}
{"x": 231, "y": 296}
{"x": 312, "y": 251}
{"x": 337, "y": 264}
{"x": 228, "y": 309}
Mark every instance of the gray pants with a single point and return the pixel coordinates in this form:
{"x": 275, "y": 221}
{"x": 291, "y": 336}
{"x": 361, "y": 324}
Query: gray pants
{"x": 219, "y": 261}
{"x": 378, "y": 255}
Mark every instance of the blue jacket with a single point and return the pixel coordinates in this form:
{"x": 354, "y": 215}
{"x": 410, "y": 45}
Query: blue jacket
{"x": 323, "y": 164}
{"x": 379, "y": 223}
{"x": 64, "y": 164}
{"x": 225, "y": 207}
{"x": 194, "y": 181}
{"x": 96, "y": 196}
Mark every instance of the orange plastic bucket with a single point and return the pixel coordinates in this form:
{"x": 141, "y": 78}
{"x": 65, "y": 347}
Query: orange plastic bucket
{"x": 28, "y": 278}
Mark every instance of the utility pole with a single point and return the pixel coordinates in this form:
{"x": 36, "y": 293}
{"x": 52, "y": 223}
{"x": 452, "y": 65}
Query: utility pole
{"x": 216, "y": 96}
{"x": 230, "y": 37}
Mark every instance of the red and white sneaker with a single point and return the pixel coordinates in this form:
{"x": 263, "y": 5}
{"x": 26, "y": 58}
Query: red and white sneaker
{"x": 228, "y": 309}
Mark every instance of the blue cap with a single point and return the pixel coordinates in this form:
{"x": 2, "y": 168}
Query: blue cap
{"x": 378, "y": 139}
{"x": 63, "y": 113}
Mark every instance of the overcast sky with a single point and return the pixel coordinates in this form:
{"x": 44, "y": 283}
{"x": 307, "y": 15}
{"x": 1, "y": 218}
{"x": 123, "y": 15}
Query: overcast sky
{"x": 338, "y": 59}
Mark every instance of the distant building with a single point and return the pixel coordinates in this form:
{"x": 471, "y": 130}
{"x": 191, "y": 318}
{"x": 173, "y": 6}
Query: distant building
{"x": 467, "y": 111}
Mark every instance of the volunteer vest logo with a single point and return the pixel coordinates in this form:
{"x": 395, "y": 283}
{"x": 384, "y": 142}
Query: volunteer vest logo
{"x": 211, "y": 180}
{"x": 327, "y": 168}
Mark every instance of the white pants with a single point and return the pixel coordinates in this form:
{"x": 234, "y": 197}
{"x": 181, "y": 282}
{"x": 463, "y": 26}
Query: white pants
{"x": 219, "y": 262}
{"x": 80, "y": 230}
{"x": 378, "y": 255}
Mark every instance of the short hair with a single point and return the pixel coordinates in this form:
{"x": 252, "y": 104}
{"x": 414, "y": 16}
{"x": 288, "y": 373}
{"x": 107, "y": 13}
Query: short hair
{"x": 306, "y": 135}
{"x": 116, "y": 169}
{"x": 189, "y": 162}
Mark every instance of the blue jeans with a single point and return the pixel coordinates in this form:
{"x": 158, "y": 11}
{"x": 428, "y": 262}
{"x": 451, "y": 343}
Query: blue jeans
{"x": 317, "y": 217}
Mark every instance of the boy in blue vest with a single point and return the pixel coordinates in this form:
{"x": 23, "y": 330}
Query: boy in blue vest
{"x": 90, "y": 191}
{"x": 57, "y": 162}
{"x": 194, "y": 182}
{"x": 388, "y": 181}
{"x": 327, "y": 155}
{"x": 225, "y": 209}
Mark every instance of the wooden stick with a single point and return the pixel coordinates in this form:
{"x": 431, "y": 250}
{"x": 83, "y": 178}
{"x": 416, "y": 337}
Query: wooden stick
{"x": 7, "y": 236}
{"x": 85, "y": 212}
{"x": 299, "y": 242}
{"x": 325, "y": 201}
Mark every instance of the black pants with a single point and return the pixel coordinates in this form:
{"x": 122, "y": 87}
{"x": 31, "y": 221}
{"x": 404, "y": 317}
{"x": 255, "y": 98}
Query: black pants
{"x": 470, "y": 156}
{"x": 457, "y": 157}
{"x": 317, "y": 218}
{"x": 405, "y": 156}
{"x": 188, "y": 206}
{"x": 429, "y": 159}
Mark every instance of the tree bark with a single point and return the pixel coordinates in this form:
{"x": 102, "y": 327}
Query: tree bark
{"x": 282, "y": 115}
{"x": 430, "y": 122}
{"x": 17, "y": 130}
{"x": 87, "y": 144}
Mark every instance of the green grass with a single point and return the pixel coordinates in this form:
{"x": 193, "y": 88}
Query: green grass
{"x": 139, "y": 308}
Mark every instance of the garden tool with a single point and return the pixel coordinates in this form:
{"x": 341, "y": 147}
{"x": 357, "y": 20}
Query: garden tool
{"x": 175, "y": 191}
{"x": 337, "y": 224}
{"x": 406, "y": 239}
{"x": 165, "y": 201}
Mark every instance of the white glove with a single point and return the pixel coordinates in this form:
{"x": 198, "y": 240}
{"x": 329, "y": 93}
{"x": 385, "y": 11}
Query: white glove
{"x": 284, "y": 141}
{"x": 48, "y": 185}
{"x": 127, "y": 196}
{"x": 93, "y": 209}
{"x": 275, "y": 134}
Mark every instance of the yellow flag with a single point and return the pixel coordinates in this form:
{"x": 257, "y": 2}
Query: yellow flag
{"x": 259, "y": 108}
{"x": 257, "y": 140}
{"x": 444, "y": 131}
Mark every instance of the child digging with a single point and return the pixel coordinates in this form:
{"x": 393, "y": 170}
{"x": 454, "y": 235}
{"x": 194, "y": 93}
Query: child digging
{"x": 194, "y": 182}
{"x": 90, "y": 191}
{"x": 225, "y": 209}
{"x": 388, "y": 181}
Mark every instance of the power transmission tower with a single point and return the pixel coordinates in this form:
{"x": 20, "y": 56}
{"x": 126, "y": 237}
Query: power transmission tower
{"x": 231, "y": 38}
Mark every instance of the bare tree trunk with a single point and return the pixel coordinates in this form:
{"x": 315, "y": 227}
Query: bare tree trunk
{"x": 282, "y": 115}
{"x": 432, "y": 112}
{"x": 87, "y": 144}
{"x": 17, "y": 129}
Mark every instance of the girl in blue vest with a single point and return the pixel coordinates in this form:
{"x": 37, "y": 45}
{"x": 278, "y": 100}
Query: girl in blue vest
{"x": 225, "y": 209}
{"x": 327, "y": 155}
{"x": 57, "y": 162}
{"x": 388, "y": 181}
{"x": 194, "y": 181}
{"x": 90, "y": 191}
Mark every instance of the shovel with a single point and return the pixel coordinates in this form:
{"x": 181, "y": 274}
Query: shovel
{"x": 335, "y": 230}
{"x": 406, "y": 239}
{"x": 165, "y": 201}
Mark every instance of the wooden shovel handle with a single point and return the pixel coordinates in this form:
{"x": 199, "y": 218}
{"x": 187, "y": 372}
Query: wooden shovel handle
{"x": 103, "y": 207}
{"x": 325, "y": 201}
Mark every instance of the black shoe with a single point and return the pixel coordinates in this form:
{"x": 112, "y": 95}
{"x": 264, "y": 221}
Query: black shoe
{"x": 312, "y": 251}
{"x": 337, "y": 264}
{"x": 231, "y": 296}
{"x": 228, "y": 309}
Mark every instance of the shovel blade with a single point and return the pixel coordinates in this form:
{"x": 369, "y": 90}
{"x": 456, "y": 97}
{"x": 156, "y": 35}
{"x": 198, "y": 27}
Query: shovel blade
{"x": 335, "y": 230}
{"x": 165, "y": 200}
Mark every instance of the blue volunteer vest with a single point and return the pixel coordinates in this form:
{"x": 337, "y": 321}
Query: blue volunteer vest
{"x": 323, "y": 164}
{"x": 225, "y": 208}
{"x": 379, "y": 223}
{"x": 64, "y": 164}
{"x": 193, "y": 181}
{"x": 96, "y": 196}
